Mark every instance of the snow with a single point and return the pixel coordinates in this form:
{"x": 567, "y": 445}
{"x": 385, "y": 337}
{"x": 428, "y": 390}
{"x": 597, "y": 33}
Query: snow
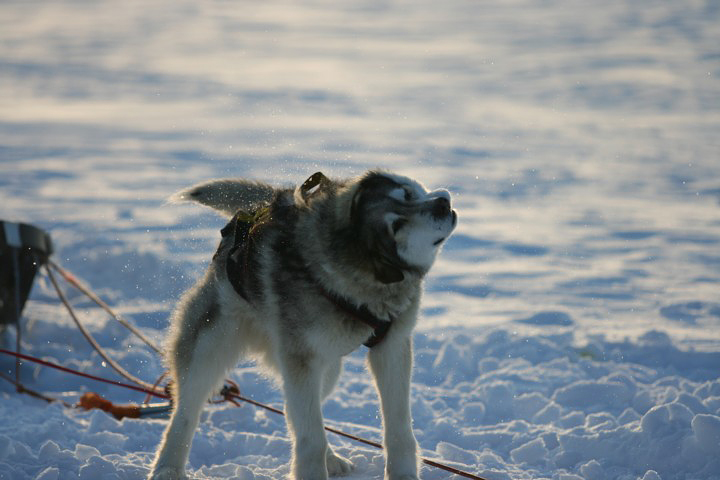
{"x": 570, "y": 328}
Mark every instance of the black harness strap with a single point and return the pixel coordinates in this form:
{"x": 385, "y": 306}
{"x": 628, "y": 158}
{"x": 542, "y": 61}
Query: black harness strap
{"x": 241, "y": 228}
{"x": 361, "y": 313}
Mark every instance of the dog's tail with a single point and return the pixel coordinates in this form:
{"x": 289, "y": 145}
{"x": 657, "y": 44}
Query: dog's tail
{"x": 227, "y": 196}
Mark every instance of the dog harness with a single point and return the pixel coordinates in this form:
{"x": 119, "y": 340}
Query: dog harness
{"x": 361, "y": 313}
{"x": 241, "y": 232}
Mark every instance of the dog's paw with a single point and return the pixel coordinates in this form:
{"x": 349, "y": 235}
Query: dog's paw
{"x": 337, "y": 465}
{"x": 167, "y": 473}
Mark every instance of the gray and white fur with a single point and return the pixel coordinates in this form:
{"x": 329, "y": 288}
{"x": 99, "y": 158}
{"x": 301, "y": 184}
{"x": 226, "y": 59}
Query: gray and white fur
{"x": 369, "y": 240}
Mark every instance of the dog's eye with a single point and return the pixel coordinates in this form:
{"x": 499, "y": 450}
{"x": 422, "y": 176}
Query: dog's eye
{"x": 398, "y": 224}
{"x": 408, "y": 195}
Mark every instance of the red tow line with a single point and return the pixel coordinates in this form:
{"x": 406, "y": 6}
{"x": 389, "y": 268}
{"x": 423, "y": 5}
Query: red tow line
{"x": 81, "y": 374}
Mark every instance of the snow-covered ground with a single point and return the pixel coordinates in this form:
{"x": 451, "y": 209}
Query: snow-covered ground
{"x": 571, "y": 327}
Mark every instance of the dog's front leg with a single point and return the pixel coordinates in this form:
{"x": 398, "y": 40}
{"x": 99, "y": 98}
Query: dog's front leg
{"x": 391, "y": 364}
{"x": 302, "y": 382}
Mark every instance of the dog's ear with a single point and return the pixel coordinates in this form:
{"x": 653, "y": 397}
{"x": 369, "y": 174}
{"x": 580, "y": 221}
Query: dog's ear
{"x": 345, "y": 210}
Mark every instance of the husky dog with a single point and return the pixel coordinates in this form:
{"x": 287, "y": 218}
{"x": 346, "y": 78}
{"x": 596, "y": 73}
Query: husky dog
{"x": 301, "y": 278}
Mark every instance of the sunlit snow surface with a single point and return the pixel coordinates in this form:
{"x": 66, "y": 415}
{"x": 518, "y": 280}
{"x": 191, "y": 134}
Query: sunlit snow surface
{"x": 571, "y": 327}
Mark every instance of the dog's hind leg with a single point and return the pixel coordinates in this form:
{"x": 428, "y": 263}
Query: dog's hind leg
{"x": 190, "y": 394}
{"x": 202, "y": 353}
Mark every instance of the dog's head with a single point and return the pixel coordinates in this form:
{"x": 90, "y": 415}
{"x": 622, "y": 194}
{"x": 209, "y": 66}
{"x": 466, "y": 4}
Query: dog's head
{"x": 399, "y": 224}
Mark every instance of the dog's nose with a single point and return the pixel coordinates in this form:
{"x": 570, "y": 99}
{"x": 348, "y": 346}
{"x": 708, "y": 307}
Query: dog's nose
{"x": 440, "y": 193}
{"x": 441, "y": 207}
